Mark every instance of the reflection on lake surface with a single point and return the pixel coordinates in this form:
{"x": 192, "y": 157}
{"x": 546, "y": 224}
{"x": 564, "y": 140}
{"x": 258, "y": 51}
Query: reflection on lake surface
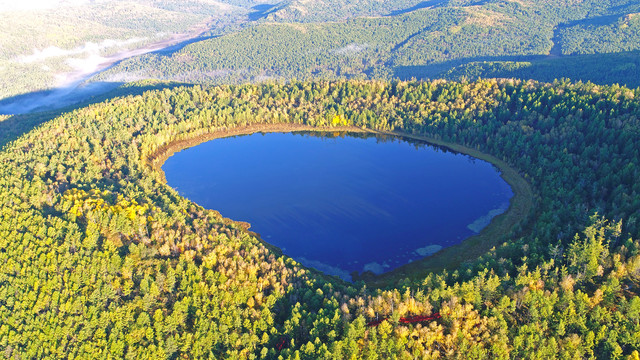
{"x": 354, "y": 202}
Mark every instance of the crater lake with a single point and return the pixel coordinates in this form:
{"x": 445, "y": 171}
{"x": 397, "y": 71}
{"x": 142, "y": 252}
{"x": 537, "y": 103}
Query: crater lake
{"x": 343, "y": 202}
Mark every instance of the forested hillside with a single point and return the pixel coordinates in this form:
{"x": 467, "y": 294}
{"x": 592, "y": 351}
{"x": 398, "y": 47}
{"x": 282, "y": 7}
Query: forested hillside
{"x": 384, "y": 40}
{"x": 43, "y": 42}
{"x": 102, "y": 259}
{"x": 60, "y": 47}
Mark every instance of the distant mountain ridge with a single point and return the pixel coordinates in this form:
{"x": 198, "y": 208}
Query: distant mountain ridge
{"x": 306, "y": 39}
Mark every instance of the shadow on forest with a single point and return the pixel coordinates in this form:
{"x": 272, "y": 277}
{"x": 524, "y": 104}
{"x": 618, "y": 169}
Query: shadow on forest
{"x": 169, "y": 50}
{"x": 16, "y": 125}
{"x": 594, "y": 21}
{"x": 616, "y": 68}
{"x": 418, "y": 6}
{"x": 628, "y": 8}
{"x": 430, "y": 4}
{"x": 54, "y": 98}
{"x": 260, "y": 11}
{"x": 436, "y": 70}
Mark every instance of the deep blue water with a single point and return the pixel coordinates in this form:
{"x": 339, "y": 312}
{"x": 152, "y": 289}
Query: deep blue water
{"x": 343, "y": 204}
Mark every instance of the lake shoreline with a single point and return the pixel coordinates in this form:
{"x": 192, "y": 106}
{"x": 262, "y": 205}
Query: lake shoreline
{"x": 451, "y": 257}
{"x": 492, "y": 235}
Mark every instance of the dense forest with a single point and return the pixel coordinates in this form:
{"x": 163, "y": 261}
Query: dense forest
{"x": 102, "y": 259}
{"x": 402, "y": 39}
